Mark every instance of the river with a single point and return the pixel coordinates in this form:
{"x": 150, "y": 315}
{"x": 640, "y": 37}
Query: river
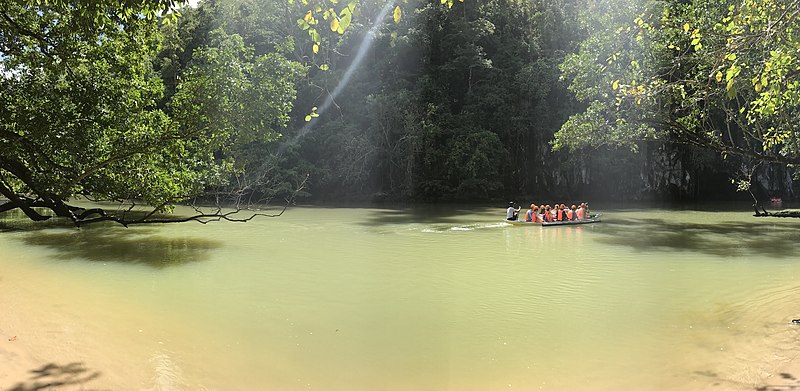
{"x": 410, "y": 299}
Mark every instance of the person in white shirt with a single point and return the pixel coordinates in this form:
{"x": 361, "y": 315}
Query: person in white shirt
{"x": 511, "y": 213}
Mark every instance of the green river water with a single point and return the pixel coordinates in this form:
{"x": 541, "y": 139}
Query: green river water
{"x": 419, "y": 299}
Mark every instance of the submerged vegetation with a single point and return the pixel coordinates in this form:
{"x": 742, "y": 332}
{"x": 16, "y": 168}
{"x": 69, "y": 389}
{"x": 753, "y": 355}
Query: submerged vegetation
{"x": 236, "y": 102}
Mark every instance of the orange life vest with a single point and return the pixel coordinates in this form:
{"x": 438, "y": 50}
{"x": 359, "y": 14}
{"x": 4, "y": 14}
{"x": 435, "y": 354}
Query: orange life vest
{"x": 560, "y": 214}
{"x": 580, "y": 213}
{"x": 570, "y": 214}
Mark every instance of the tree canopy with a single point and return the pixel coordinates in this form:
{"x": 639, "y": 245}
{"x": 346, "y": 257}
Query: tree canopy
{"x": 153, "y": 103}
{"x": 81, "y": 117}
{"x": 720, "y": 75}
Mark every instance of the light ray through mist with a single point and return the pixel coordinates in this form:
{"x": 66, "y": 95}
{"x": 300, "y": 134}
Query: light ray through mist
{"x": 365, "y": 45}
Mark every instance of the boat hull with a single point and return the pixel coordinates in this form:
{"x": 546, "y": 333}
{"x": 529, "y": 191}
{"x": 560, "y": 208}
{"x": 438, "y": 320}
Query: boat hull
{"x": 595, "y": 219}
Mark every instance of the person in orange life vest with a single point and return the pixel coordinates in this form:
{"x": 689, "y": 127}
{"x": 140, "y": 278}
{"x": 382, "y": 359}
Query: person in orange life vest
{"x": 562, "y": 212}
{"x": 548, "y": 214}
{"x": 580, "y": 213}
{"x": 540, "y": 214}
{"x": 530, "y": 215}
{"x": 571, "y": 213}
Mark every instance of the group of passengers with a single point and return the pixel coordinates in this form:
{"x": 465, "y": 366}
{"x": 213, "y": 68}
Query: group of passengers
{"x": 546, "y": 213}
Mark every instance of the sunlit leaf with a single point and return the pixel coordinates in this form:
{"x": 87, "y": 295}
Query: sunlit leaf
{"x": 731, "y": 89}
{"x": 314, "y": 34}
{"x": 303, "y": 24}
{"x": 344, "y": 23}
{"x": 398, "y": 14}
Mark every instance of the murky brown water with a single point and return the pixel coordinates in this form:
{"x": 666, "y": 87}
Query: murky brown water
{"x": 370, "y": 299}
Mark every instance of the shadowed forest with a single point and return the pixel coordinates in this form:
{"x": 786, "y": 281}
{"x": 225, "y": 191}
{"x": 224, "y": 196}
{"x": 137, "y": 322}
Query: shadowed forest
{"x": 242, "y": 102}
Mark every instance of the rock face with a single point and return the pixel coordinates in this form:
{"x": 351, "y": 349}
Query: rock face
{"x": 774, "y": 183}
{"x": 664, "y": 172}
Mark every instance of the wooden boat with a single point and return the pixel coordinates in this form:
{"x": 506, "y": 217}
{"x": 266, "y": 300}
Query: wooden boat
{"x": 591, "y": 220}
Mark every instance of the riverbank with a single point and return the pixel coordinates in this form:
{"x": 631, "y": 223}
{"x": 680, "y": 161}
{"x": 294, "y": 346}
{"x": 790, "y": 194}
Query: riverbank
{"x": 48, "y": 353}
{"x": 44, "y": 344}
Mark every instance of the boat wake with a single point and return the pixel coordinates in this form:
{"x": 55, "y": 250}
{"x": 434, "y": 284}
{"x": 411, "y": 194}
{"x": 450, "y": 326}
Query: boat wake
{"x": 458, "y": 228}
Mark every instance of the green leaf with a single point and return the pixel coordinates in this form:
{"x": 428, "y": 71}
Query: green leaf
{"x": 731, "y": 89}
{"x": 314, "y": 34}
{"x": 344, "y": 21}
{"x": 303, "y": 24}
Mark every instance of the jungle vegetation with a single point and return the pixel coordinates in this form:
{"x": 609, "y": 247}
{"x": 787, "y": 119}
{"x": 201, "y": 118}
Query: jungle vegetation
{"x": 239, "y": 102}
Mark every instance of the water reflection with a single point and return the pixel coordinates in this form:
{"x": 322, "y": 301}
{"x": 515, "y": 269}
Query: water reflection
{"x": 53, "y": 375}
{"x": 15, "y": 220}
{"x": 128, "y": 245}
{"x": 725, "y": 239}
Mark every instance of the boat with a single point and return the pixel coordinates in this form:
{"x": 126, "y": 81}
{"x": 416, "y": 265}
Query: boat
{"x": 591, "y": 220}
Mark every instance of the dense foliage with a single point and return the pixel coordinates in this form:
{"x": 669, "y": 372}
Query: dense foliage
{"x": 455, "y": 101}
{"x": 374, "y": 99}
{"x": 461, "y": 101}
{"x": 720, "y": 75}
{"x": 80, "y": 109}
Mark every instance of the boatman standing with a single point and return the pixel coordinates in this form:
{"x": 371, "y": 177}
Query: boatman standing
{"x": 511, "y": 213}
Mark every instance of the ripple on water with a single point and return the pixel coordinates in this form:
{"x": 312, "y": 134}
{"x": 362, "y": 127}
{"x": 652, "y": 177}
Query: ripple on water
{"x": 168, "y": 376}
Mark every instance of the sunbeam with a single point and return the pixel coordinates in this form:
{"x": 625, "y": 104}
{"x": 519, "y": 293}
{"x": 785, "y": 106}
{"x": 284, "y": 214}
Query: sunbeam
{"x": 363, "y": 48}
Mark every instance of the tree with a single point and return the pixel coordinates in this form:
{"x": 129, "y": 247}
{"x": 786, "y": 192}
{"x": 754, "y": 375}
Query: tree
{"x": 80, "y": 111}
{"x": 719, "y": 75}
